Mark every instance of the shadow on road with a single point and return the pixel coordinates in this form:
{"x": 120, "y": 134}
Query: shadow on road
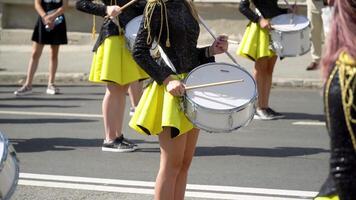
{"x": 304, "y": 116}
{"x": 260, "y": 152}
{"x": 58, "y": 144}
{"x": 44, "y": 121}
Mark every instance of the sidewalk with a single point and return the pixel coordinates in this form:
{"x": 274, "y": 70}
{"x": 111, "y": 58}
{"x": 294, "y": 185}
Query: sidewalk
{"x": 75, "y": 60}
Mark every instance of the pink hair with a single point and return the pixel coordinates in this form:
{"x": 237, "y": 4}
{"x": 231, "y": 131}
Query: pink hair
{"x": 342, "y": 36}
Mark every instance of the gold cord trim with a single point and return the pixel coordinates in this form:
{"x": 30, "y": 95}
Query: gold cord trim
{"x": 149, "y": 9}
{"x": 347, "y": 72}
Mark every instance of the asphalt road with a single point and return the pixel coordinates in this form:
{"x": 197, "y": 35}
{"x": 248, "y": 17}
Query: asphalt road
{"x": 58, "y": 142}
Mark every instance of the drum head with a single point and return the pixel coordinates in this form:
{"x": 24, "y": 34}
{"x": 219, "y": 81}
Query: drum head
{"x": 132, "y": 27}
{"x": 289, "y": 22}
{"x": 221, "y": 97}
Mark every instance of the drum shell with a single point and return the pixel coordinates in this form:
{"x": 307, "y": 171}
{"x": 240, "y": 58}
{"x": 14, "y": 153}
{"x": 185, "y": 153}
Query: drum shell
{"x": 291, "y": 43}
{"x": 220, "y": 120}
{"x": 290, "y": 35}
{"x": 9, "y": 169}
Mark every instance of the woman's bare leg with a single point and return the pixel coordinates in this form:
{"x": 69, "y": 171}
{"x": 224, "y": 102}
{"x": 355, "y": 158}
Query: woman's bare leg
{"x": 181, "y": 183}
{"x": 269, "y": 76}
{"x": 171, "y": 161}
{"x": 53, "y": 64}
{"x": 113, "y": 110}
{"x": 135, "y": 92}
{"x": 33, "y": 64}
{"x": 261, "y": 76}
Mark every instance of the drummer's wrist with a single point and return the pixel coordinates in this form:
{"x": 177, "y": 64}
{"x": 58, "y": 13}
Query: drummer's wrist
{"x": 166, "y": 80}
{"x": 209, "y": 51}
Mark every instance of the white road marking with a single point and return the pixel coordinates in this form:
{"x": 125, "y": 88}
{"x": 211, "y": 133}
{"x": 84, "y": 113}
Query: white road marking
{"x": 50, "y": 114}
{"x": 309, "y": 123}
{"x": 145, "y": 187}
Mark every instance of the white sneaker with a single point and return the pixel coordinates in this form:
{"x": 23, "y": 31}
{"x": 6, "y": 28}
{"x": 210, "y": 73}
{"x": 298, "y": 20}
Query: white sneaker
{"x": 52, "y": 89}
{"x": 24, "y": 90}
{"x": 132, "y": 111}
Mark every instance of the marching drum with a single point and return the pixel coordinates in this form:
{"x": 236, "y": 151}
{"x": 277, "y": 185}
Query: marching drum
{"x": 9, "y": 169}
{"x": 290, "y": 35}
{"x": 220, "y": 108}
{"x": 131, "y": 30}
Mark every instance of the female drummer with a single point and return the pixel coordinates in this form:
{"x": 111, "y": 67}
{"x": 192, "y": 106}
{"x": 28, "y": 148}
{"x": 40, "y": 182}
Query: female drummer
{"x": 339, "y": 67}
{"x": 113, "y": 65}
{"x": 255, "y": 46}
{"x": 174, "y": 25}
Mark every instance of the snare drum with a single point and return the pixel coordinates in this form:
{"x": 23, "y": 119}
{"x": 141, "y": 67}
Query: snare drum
{"x": 131, "y": 30}
{"x": 9, "y": 169}
{"x": 222, "y": 108}
{"x": 290, "y": 35}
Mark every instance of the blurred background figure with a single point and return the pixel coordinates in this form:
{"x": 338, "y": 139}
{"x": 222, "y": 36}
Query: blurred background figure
{"x": 316, "y": 32}
{"x": 255, "y": 45}
{"x": 50, "y": 29}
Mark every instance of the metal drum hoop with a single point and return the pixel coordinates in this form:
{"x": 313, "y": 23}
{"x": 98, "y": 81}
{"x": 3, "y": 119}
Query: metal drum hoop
{"x": 224, "y": 110}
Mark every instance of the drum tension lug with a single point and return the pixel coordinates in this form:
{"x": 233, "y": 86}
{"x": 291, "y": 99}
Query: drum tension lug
{"x": 231, "y": 121}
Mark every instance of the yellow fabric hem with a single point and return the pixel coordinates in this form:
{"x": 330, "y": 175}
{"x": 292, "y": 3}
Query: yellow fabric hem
{"x": 255, "y": 43}
{"x": 113, "y": 62}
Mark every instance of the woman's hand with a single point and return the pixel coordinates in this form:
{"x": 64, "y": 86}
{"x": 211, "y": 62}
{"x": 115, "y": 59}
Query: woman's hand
{"x": 220, "y": 45}
{"x": 113, "y": 11}
{"x": 175, "y": 87}
{"x": 264, "y": 23}
{"x": 48, "y": 20}
{"x": 293, "y": 9}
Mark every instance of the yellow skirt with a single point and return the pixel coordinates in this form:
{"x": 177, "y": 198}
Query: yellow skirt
{"x": 113, "y": 62}
{"x": 158, "y": 109}
{"x": 255, "y": 43}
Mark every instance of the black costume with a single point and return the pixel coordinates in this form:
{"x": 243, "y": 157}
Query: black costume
{"x": 56, "y": 36}
{"x": 268, "y": 9}
{"x": 109, "y": 28}
{"x": 183, "y": 36}
{"x": 341, "y": 128}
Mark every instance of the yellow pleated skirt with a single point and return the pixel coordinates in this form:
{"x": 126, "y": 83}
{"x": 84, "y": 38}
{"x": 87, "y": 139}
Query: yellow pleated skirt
{"x": 158, "y": 109}
{"x": 113, "y": 62}
{"x": 255, "y": 43}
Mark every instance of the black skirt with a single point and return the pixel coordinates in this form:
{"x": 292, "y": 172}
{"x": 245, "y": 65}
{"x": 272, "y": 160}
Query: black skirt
{"x": 56, "y": 36}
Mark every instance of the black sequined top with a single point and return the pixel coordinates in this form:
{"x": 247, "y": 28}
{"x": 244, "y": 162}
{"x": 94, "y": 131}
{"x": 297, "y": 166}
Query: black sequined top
{"x": 268, "y": 9}
{"x": 109, "y": 28}
{"x": 183, "y": 35}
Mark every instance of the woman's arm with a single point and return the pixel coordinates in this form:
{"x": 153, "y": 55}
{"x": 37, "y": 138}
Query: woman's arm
{"x": 141, "y": 51}
{"x": 59, "y": 11}
{"x": 245, "y": 9}
{"x": 88, "y": 6}
{"x": 39, "y": 8}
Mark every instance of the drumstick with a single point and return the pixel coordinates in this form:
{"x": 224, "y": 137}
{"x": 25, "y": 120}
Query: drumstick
{"x": 121, "y": 8}
{"x": 213, "y": 84}
{"x": 233, "y": 41}
{"x": 212, "y": 34}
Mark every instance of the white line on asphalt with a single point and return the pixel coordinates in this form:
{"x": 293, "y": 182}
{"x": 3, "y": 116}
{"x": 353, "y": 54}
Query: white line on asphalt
{"x": 102, "y": 188}
{"x": 306, "y": 123}
{"x": 47, "y": 181}
{"x": 51, "y": 114}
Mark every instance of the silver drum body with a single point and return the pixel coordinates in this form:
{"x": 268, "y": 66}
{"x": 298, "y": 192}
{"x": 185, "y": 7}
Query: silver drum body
{"x": 290, "y": 35}
{"x": 131, "y": 30}
{"x": 9, "y": 169}
{"x": 222, "y": 108}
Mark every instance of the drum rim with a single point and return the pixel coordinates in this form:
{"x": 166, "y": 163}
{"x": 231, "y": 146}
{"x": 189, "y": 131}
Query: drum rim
{"x": 278, "y": 16}
{"x": 15, "y": 183}
{"x": 5, "y": 150}
{"x": 230, "y": 109}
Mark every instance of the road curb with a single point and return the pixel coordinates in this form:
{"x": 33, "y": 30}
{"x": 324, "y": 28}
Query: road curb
{"x": 82, "y": 78}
